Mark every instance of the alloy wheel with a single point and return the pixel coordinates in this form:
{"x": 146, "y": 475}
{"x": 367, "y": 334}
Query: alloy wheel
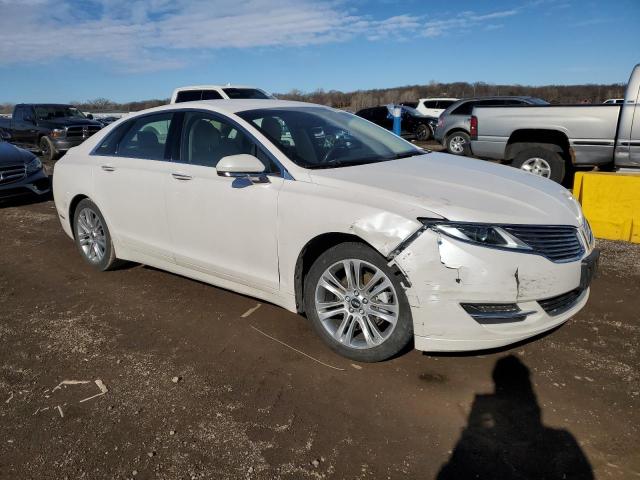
{"x": 537, "y": 166}
{"x": 456, "y": 144}
{"x": 91, "y": 235}
{"x": 357, "y": 304}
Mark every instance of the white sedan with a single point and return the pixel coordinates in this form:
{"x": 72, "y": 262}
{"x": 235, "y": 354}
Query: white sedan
{"x": 377, "y": 242}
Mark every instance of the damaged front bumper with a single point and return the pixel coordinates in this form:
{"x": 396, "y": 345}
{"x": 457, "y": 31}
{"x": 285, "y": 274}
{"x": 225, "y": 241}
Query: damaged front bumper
{"x": 446, "y": 276}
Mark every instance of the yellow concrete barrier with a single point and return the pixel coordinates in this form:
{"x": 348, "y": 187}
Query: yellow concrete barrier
{"x": 611, "y": 203}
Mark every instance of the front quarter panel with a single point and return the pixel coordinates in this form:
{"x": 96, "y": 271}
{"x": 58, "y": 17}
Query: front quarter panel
{"x": 307, "y": 210}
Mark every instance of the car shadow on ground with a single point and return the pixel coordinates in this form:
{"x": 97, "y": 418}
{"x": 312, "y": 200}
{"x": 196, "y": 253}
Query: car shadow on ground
{"x": 505, "y": 438}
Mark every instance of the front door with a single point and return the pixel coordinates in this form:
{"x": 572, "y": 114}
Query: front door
{"x": 222, "y": 226}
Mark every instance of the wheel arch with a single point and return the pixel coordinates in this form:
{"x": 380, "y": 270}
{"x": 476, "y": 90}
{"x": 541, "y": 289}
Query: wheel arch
{"x": 73, "y": 204}
{"x": 550, "y": 139}
{"x": 455, "y": 130}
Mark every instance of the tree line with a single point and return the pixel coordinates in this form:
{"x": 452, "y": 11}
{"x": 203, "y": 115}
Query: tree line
{"x": 353, "y": 101}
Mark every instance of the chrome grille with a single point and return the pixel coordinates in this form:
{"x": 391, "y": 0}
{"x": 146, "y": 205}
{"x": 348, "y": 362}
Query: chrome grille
{"x": 559, "y": 243}
{"x": 561, "y": 303}
{"x": 82, "y": 131}
{"x": 12, "y": 173}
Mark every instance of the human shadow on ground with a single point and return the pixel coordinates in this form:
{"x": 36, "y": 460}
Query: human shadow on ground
{"x": 506, "y": 440}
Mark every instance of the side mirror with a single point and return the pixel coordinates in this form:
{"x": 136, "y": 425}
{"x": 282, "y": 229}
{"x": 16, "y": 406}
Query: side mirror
{"x": 242, "y": 165}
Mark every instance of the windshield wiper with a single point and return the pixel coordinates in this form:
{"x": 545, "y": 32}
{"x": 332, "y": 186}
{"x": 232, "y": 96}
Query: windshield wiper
{"x": 412, "y": 153}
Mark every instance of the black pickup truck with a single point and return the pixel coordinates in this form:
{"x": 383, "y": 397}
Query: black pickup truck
{"x": 49, "y": 128}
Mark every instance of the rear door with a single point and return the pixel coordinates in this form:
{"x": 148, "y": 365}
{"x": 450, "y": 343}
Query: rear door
{"x": 131, "y": 173}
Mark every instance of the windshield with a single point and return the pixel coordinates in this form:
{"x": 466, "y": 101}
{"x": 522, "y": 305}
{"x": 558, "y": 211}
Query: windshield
{"x": 252, "y": 93}
{"x": 317, "y": 137}
{"x": 49, "y": 112}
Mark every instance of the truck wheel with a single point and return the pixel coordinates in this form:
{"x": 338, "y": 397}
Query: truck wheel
{"x": 48, "y": 150}
{"x": 423, "y": 133}
{"x": 541, "y": 161}
{"x": 458, "y": 143}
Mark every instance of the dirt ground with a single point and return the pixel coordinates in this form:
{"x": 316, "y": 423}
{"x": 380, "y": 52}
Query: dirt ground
{"x": 198, "y": 388}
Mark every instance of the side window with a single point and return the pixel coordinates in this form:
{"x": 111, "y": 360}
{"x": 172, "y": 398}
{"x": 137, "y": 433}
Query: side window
{"x": 207, "y": 138}
{"x": 464, "y": 109}
{"x": 211, "y": 95}
{"x": 110, "y": 142}
{"x": 146, "y": 138}
{"x": 189, "y": 96}
{"x": 430, "y": 104}
{"x": 18, "y": 114}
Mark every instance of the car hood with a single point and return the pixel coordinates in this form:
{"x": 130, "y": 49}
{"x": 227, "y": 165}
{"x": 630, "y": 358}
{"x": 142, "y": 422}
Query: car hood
{"x": 11, "y": 155}
{"x": 459, "y": 189}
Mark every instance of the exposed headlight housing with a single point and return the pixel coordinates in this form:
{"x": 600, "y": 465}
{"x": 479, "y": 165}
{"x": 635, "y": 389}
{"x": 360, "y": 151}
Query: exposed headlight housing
{"x": 57, "y": 133}
{"x": 587, "y": 234}
{"x": 33, "y": 166}
{"x": 479, "y": 234}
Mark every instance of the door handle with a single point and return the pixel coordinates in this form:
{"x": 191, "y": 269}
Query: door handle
{"x": 181, "y": 176}
{"x": 107, "y": 168}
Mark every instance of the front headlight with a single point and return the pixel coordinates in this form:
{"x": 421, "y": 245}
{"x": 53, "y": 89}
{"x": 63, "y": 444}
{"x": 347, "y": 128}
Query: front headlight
{"x": 34, "y": 165}
{"x": 57, "y": 133}
{"x": 479, "y": 234}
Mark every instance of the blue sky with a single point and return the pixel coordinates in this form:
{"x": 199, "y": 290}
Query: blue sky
{"x": 64, "y": 50}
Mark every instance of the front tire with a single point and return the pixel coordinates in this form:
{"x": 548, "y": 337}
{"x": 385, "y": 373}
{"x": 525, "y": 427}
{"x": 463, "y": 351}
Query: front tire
{"x": 542, "y": 162}
{"x": 92, "y": 236}
{"x": 48, "y": 150}
{"x": 357, "y": 305}
{"x": 458, "y": 143}
{"x": 423, "y": 133}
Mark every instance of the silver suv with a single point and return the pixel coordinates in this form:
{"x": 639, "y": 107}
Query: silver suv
{"x": 452, "y": 130}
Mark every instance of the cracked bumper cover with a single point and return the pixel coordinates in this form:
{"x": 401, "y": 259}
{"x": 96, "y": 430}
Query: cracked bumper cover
{"x": 444, "y": 273}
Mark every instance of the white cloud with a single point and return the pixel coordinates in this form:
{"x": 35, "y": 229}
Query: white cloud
{"x": 463, "y": 21}
{"x": 146, "y": 35}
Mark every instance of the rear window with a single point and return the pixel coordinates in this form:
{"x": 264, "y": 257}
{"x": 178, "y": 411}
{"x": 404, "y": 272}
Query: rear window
{"x": 464, "y": 109}
{"x": 189, "y": 96}
{"x": 251, "y": 93}
{"x": 195, "y": 95}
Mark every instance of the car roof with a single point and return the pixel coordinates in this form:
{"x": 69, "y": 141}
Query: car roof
{"x": 438, "y": 98}
{"x": 234, "y": 105}
{"x": 45, "y": 105}
{"x": 204, "y": 87}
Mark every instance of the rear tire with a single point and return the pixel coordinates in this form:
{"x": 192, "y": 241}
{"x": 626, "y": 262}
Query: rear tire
{"x": 543, "y": 162}
{"x": 458, "y": 143}
{"x": 365, "y": 316}
{"x": 48, "y": 150}
{"x": 92, "y": 236}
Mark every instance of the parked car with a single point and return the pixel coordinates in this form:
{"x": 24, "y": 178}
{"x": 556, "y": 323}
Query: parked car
{"x": 614, "y": 101}
{"x": 217, "y": 92}
{"x": 551, "y": 140}
{"x": 452, "y": 130}
{"x": 322, "y": 212}
{"x": 106, "y": 120}
{"x": 49, "y": 128}
{"x": 21, "y": 173}
{"x": 433, "y": 107}
{"x": 414, "y": 125}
